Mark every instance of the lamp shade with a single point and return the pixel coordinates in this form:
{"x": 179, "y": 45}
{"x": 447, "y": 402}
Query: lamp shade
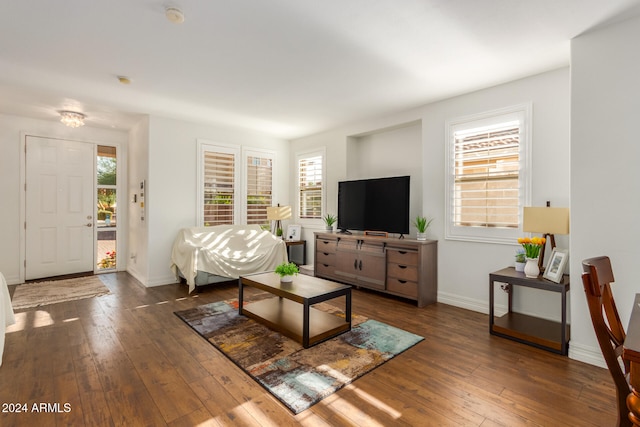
{"x": 276, "y": 213}
{"x": 546, "y": 220}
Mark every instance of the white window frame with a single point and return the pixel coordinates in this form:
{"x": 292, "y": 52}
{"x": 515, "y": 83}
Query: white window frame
{"x": 207, "y": 146}
{"x": 523, "y": 114}
{"x": 256, "y": 152}
{"x": 305, "y": 155}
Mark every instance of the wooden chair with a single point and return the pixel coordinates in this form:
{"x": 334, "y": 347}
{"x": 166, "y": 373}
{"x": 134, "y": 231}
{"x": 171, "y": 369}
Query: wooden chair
{"x": 597, "y": 279}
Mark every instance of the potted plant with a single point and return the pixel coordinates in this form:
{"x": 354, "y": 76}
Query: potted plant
{"x": 422, "y": 223}
{"x": 287, "y": 271}
{"x": 520, "y": 259}
{"x": 329, "y": 220}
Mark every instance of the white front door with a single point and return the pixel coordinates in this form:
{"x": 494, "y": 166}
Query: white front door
{"x": 59, "y": 208}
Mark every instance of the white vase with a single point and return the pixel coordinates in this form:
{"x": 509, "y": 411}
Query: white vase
{"x": 286, "y": 279}
{"x": 520, "y": 266}
{"x": 421, "y": 236}
{"x": 531, "y": 269}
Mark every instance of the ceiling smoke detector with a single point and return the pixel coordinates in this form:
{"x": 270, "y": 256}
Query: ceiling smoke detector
{"x": 174, "y": 15}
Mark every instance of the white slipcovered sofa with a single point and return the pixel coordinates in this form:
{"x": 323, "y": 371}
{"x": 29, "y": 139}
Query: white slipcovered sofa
{"x": 205, "y": 255}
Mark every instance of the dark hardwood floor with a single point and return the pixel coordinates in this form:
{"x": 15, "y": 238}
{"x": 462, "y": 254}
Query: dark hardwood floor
{"x": 126, "y": 360}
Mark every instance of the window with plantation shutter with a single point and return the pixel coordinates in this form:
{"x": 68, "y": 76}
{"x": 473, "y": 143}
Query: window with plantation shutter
{"x": 218, "y": 189}
{"x": 259, "y": 167}
{"x": 488, "y": 164}
{"x": 310, "y": 185}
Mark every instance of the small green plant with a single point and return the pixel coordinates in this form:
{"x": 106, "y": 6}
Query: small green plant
{"x": 330, "y": 220}
{"x": 287, "y": 269}
{"x": 279, "y": 232}
{"x": 520, "y": 255}
{"x": 422, "y": 223}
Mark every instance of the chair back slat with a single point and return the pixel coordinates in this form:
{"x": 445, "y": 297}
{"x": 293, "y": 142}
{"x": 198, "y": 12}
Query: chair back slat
{"x": 597, "y": 279}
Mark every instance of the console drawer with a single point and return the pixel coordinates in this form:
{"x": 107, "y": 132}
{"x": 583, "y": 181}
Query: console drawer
{"x": 401, "y": 271}
{"x": 326, "y": 245}
{"x": 324, "y": 270}
{"x": 328, "y": 258}
{"x": 402, "y": 257}
{"x": 403, "y": 287}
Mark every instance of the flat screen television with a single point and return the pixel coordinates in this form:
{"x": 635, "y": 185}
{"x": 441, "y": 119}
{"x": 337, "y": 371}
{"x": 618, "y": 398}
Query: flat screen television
{"x": 379, "y": 204}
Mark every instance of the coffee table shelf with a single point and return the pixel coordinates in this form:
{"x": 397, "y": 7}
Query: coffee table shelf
{"x": 290, "y": 312}
{"x": 286, "y": 317}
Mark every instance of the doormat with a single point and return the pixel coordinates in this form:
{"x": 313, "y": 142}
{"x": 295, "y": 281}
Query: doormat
{"x": 297, "y": 377}
{"x": 36, "y": 294}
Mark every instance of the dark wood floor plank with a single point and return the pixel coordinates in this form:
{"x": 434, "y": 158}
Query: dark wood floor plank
{"x": 125, "y": 359}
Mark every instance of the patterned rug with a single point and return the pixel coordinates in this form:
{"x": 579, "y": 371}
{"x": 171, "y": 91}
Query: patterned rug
{"x": 36, "y": 294}
{"x": 296, "y": 376}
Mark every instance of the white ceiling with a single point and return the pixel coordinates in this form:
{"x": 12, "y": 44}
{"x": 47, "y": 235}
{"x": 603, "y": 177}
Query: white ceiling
{"x": 285, "y": 67}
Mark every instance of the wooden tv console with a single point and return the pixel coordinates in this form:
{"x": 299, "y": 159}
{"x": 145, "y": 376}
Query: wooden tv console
{"x": 402, "y": 267}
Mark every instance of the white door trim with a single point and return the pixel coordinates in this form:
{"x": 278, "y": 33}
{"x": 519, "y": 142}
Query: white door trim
{"x": 121, "y": 189}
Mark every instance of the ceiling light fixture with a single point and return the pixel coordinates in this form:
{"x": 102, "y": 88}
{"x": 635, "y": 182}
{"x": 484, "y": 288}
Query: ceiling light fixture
{"x": 124, "y": 80}
{"x": 72, "y": 118}
{"x": 174, "y": 15}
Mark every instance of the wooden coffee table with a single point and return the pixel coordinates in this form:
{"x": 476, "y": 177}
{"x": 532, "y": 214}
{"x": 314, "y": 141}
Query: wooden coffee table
{"x": 291, "y": 313}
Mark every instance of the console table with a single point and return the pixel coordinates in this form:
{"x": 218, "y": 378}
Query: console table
{"x": 402, "y": 267}
{"x": 541, "y": 333}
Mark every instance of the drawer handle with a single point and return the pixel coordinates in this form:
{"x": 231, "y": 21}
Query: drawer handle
{"x": 402, "y": 252}
{"x": 402, "y": 281}
{"x": 325, "y": 253}
{"x": 326, "y": 265}
{"x": 402, "y": 266}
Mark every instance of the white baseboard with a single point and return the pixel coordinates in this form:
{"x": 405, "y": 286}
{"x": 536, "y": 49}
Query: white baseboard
{"x": 13, "y": 280}
{"x": 587, "y": 354}
{"x": 136, "y": 274}
{"x": 168, "y": 279}
{"x": 464, "y": 302}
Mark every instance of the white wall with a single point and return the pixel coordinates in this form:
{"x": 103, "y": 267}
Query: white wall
{"x": 549, "y": 94}
{"x": 170, "y": 196}
{"x": 11, "y": 130}
{"x": 463, "y": 268}
{"x": 605, "y": 177}
{"x": 136, "y": 260}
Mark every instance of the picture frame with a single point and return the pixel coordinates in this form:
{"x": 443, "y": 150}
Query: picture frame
{"x": 557, "y": 264}
{"x": 293, "y": 232}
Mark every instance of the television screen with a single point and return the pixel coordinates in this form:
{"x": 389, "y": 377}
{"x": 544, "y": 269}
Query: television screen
{"x": 380, "y": 204}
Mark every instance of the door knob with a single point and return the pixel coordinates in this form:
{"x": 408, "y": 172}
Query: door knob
{"x": 89, "y": 224}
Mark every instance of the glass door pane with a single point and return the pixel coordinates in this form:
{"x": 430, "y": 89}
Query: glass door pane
{"x": 106, "y": 222}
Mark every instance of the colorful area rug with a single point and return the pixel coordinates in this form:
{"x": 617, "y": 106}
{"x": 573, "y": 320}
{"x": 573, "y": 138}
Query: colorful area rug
{"x": 296, "y": 376}
{"x": 36, "y": 294}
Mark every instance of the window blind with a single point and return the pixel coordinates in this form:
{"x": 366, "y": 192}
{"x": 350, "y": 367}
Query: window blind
{"x": 259, "y": 189}
{"x": 486, "y": 165}
{"x": 219, "y": 173}
{"x": 310, "y": 187}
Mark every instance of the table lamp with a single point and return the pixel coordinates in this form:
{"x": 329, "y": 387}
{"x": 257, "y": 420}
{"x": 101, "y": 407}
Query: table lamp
{"x": 277, "y": 214}
{"x": 548, "y": 221}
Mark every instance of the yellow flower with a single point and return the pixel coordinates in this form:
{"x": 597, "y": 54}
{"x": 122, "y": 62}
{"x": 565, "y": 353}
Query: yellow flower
{"x": 532, "y": 245}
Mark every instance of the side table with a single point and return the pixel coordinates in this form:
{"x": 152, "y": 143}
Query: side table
{"x": 535, "y": 331}
{"x": 297, "y": 251}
